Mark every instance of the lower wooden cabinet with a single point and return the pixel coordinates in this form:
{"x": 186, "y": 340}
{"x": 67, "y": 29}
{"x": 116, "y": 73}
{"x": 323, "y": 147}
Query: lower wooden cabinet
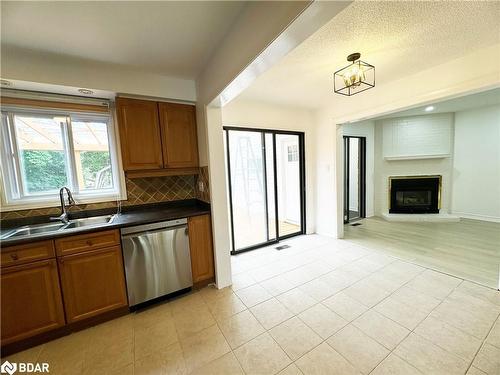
{"x": 200, "y": 243}
{"x": 93, "y": 282}
{"x": 31, "y": 300}
{"x": 43, "y": 289}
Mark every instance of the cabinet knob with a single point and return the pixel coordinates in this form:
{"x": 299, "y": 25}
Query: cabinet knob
{"x": 89, "y": 242}
{"x": 14, "y": 256}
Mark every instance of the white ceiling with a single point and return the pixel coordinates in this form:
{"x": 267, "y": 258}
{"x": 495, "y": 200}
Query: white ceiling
{"x": 167, "y": 37}
{"x": 463, "y": 103}
{"x": 399, "y": 38}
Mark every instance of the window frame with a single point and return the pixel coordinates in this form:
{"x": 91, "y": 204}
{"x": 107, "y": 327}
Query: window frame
{"x": 14, "y": 195}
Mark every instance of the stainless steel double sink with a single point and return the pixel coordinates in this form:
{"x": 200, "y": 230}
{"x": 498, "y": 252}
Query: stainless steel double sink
{"x": 28, "y": 230}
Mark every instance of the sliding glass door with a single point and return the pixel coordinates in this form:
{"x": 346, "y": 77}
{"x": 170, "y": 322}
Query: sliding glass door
{"x": 266, "y": 186}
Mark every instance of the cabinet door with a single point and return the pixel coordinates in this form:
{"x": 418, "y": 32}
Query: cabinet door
{"x": 179, "y": 139}
{"x": 200, "y": 243}
{"x": 92, "y": 283}
{"x": 31, "y": 300}
{"x": 139, "y": 134}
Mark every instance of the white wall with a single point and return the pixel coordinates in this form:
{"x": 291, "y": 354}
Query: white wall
{"x": 417, "y": 136}
{"x": 252, "y": 114}
{"x": 385, "y": 168}
{"x": 329, "y": 200}
{"x": 444, "y": 81}
{"x": 31, "y": 66}
{"x": 366, "y": 129}
{"x": 243, "y": 44}
{"x": 476, "y": 167}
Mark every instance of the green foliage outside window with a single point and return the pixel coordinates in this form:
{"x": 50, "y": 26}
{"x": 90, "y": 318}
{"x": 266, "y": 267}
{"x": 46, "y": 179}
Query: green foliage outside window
{"x": 44, "y": 170}
{"x": 94, "y": 162}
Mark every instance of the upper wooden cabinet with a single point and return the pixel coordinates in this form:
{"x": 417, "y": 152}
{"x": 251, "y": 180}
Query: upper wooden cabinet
{"x": 140, "y": 135}
{"x": 179, "y": 139}
{"x": 31, "y": 300}
{"x": 157, "y": 138}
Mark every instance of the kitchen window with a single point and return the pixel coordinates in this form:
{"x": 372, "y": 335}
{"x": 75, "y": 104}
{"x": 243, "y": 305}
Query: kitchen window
{"x": 43, "y": 150}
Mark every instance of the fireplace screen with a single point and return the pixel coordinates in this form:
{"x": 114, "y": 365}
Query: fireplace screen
{"x": 413, "y": 198}
{"x": 414, "y": 195}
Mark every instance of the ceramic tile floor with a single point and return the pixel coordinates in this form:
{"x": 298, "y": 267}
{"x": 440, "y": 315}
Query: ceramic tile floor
{"x": 321, "y": 306}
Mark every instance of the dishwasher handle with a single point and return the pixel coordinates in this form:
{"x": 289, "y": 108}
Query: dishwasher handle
{"x": 138, "y": 234}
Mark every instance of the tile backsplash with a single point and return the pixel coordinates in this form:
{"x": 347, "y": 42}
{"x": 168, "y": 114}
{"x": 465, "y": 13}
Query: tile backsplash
{"x": 203, "y": 177}
{"x": 139, "y": 191}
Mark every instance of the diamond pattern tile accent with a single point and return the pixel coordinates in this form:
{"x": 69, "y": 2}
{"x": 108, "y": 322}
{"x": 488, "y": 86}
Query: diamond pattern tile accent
{"x": 203, "y": 176}
{"x": 139, "y": 191}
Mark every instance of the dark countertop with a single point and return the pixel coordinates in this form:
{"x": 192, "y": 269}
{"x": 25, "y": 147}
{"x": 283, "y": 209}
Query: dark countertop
{"x": 133, "y": 215}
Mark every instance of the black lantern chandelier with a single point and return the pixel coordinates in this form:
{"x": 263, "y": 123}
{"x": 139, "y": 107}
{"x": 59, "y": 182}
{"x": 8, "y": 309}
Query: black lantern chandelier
{"x": 354, "y": 78}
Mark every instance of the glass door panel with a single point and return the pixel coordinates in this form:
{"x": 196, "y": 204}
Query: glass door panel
{"x": 271, "y": 191}
{"x": 265, "y": 186}
{"x": 248, "y": 188}
{"x": 289, "y": 186}
{"x": 353, "y": 178}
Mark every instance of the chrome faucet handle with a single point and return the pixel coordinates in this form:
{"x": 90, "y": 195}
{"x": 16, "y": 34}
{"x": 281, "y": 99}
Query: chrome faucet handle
{"x": 63, "y": 218}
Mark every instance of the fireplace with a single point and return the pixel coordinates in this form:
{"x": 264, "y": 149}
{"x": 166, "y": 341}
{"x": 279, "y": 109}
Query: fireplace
{"x": 414, "y": 194}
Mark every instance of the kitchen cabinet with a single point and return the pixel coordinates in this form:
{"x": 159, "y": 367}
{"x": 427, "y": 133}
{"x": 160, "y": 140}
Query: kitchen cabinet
{"x": 93, "y": 280}
{"x": 200, "y": 243}
{"x": 31, "y": 300}
{"x": 157, "y": 138}
{"x": 179, "y": 139}
{"x": 140, "y": 137}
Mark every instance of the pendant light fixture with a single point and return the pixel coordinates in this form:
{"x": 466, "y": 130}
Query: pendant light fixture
{"x": 354, "y": 78}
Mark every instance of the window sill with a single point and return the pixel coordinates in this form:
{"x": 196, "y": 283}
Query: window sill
{"x": 50, "y": 202}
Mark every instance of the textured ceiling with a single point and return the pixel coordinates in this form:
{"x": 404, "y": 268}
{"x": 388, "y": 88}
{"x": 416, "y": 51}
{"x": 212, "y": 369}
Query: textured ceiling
{"x": 399, "y": 38}
{"x": 168, "y": 37}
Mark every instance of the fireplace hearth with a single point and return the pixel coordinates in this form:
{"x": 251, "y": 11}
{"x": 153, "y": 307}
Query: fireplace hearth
{"x": 414, "y": 194}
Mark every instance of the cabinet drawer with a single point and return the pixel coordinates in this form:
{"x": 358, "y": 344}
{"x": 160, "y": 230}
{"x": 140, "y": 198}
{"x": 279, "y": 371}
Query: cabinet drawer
{"x": 26, "y": 253}
{"x": 86, "y": 242}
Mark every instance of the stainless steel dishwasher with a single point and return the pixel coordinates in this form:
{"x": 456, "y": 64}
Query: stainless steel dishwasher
{"x": 157, "y": 260}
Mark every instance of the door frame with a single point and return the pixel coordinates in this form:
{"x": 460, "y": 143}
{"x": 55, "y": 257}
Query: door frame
{"x": 362, "y": 177}
{"x": 302, "y": 182}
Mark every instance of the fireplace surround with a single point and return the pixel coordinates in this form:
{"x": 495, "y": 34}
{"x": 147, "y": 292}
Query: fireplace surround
{"x": 414, "y": 194}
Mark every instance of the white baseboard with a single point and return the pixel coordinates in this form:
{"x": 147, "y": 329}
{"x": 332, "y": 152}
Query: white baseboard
{"x": 493, "y": 219}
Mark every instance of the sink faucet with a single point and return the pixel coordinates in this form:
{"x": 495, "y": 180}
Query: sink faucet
{"x": 64, "y": 213}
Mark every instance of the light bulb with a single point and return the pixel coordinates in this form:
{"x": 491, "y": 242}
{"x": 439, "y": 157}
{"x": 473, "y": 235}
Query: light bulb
{"x": 353, "y": 75}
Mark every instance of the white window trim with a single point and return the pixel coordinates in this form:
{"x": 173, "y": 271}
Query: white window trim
{"x": 52, "y": 200}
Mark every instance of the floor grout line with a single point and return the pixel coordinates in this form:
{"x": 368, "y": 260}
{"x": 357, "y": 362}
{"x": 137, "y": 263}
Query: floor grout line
{"x": 389, "y": 295}
{"x": 210, "y": 305}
